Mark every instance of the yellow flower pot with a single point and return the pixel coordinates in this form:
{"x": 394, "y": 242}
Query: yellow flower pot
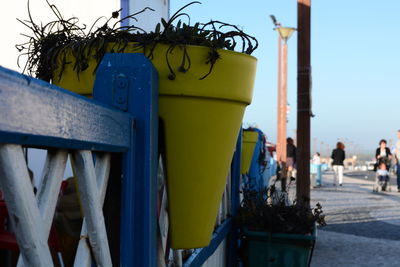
{"x": 249, "y": 142}
{"x": 202, "y": 119}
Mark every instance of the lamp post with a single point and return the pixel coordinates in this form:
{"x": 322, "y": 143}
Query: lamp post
{"x": 284, "y": 35}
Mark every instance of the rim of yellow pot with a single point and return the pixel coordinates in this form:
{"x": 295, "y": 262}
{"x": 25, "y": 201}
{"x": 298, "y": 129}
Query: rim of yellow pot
{"x": 230, "y": 87}
{"x": 210, "y": 87}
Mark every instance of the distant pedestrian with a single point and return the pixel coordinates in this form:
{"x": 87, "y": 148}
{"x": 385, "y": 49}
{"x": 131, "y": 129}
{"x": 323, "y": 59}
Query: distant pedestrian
{"x": 316, "y": 170}
{"x": 338, "y": 156}
{"x": 397, "y": 156}
{"x": 290, "y": 157}
{"x": 383, "y": 154}
{"x": 316, "y": 159}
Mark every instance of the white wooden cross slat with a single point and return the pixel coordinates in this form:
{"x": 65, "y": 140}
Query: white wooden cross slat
{"x": 22, "y": 207}
{"x": 102, "y": 169}
{"x": 90, "y": 198}
{"x": 49, "y": 189}
{"x": 163, "y": 214}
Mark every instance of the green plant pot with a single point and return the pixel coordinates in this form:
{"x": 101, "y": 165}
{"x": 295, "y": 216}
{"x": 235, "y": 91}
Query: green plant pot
{"x": 279, "y": 250}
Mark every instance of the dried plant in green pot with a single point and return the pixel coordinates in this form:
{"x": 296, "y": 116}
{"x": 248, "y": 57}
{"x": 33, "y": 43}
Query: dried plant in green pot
{"x": 276, "y": 232}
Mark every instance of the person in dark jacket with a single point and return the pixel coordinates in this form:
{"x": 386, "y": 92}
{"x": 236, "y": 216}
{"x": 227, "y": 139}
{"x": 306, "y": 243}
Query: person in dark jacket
{"x": 383, "y": 154}
{"x": 290, "y": 156}
{"x": 338, "y": 156}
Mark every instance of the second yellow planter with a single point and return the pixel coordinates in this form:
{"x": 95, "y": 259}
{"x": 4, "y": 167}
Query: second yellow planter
{"x": 249, "y": 141}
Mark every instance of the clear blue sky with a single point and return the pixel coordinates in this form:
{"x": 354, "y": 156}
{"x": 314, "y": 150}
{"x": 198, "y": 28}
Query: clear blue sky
{"x": 355, "y": 60}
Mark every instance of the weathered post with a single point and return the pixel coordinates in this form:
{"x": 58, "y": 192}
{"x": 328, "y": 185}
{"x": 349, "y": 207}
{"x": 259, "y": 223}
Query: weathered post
{"x": 303, "y": 102}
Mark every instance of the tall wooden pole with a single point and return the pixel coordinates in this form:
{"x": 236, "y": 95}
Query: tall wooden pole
{"x": 284, "y": 99}
{"x": 303, "y": 101}
{"x": 279, "y": 106}
{"x": 284, "y": 116}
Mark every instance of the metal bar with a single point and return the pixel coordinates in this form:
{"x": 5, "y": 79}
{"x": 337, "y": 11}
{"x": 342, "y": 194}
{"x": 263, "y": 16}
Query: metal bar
{"x": 90, "y": 198}
{"x": 199, "y": 256}
{"x": 37, "y": 113}
{"x": 102, "y": 169}
{"x": 148, "y": 21}
{"x": 49, "y": 189}
{"x": 21, "y": 204}
{"x": 139, "y": 183}
{"x": 125, "y": 12}
{"x": 303, "y": 102}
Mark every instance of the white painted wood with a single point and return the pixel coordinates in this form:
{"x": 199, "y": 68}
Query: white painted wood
{"x": 21, "y": 203}
{"x": 149, "y": 19}
{"x": 218, "y": 220}
{"x": 226, "y": 202}
{"x": 178, "y": 257}
{"x": 229, "y": 194}
{"x": 162, "y": 215}
{"x": 102, "y": 170}
{"x": 218, "y": 258}
{"x": 83, "y": 258}
{"x": 90, "y": 198}
{"x": 49, "y": 189}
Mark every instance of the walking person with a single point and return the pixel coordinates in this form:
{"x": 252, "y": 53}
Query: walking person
{"x": 397, "y": 157}
{"x": 290, "y": 157}
{"x": 338, "y": 156}
{"x": 383, "y": 154}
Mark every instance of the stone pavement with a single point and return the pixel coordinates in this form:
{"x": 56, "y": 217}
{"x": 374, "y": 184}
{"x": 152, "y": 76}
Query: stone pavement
{"x": 363, "y": 227}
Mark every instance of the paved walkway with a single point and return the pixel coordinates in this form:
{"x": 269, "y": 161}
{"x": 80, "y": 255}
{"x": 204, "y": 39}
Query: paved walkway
{"x": 363, "y": 227}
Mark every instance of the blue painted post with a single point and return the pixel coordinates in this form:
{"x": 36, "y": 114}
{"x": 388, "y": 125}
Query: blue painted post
{"x": 130, "y": 82}
{"x": 233, "y": 237}
{"x": 255, "y": 177}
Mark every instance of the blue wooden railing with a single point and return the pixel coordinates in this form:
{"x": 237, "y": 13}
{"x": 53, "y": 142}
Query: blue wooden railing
{"x": 122, "y": 117}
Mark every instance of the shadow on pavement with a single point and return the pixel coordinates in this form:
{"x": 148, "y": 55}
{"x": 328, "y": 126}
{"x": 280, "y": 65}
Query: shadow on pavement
{"x": 373, "y": 229}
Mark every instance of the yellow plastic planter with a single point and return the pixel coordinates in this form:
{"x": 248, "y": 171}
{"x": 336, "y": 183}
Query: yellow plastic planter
{"x": 202, "y": 119}
{"x": 249, "y": 141}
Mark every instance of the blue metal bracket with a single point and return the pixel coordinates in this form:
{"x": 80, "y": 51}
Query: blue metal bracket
{"x": 233, "y": 237}
{"x": 130, "y": 82}
{"x": 120, "y": 91}
{"x": 257, "y": 178}
{"x": 200, "y": 255}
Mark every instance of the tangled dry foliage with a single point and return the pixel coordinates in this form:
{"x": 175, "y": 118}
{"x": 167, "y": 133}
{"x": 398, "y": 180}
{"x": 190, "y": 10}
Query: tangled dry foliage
{"x": 269, "y": 211}
{"x": 48, "y": 42}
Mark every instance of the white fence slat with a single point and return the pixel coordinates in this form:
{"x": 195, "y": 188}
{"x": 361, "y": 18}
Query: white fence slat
{"x": 102, "y": 170}
{"x": 50, "y": 185}
{"x": 90, "y": 197}
{"x": 218, "y": 258}
{"x": 162, "y": 216}
{"x": 177, "y": 257}
{"x": 49, "y": 189}
{"x": 22, "y": 207}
